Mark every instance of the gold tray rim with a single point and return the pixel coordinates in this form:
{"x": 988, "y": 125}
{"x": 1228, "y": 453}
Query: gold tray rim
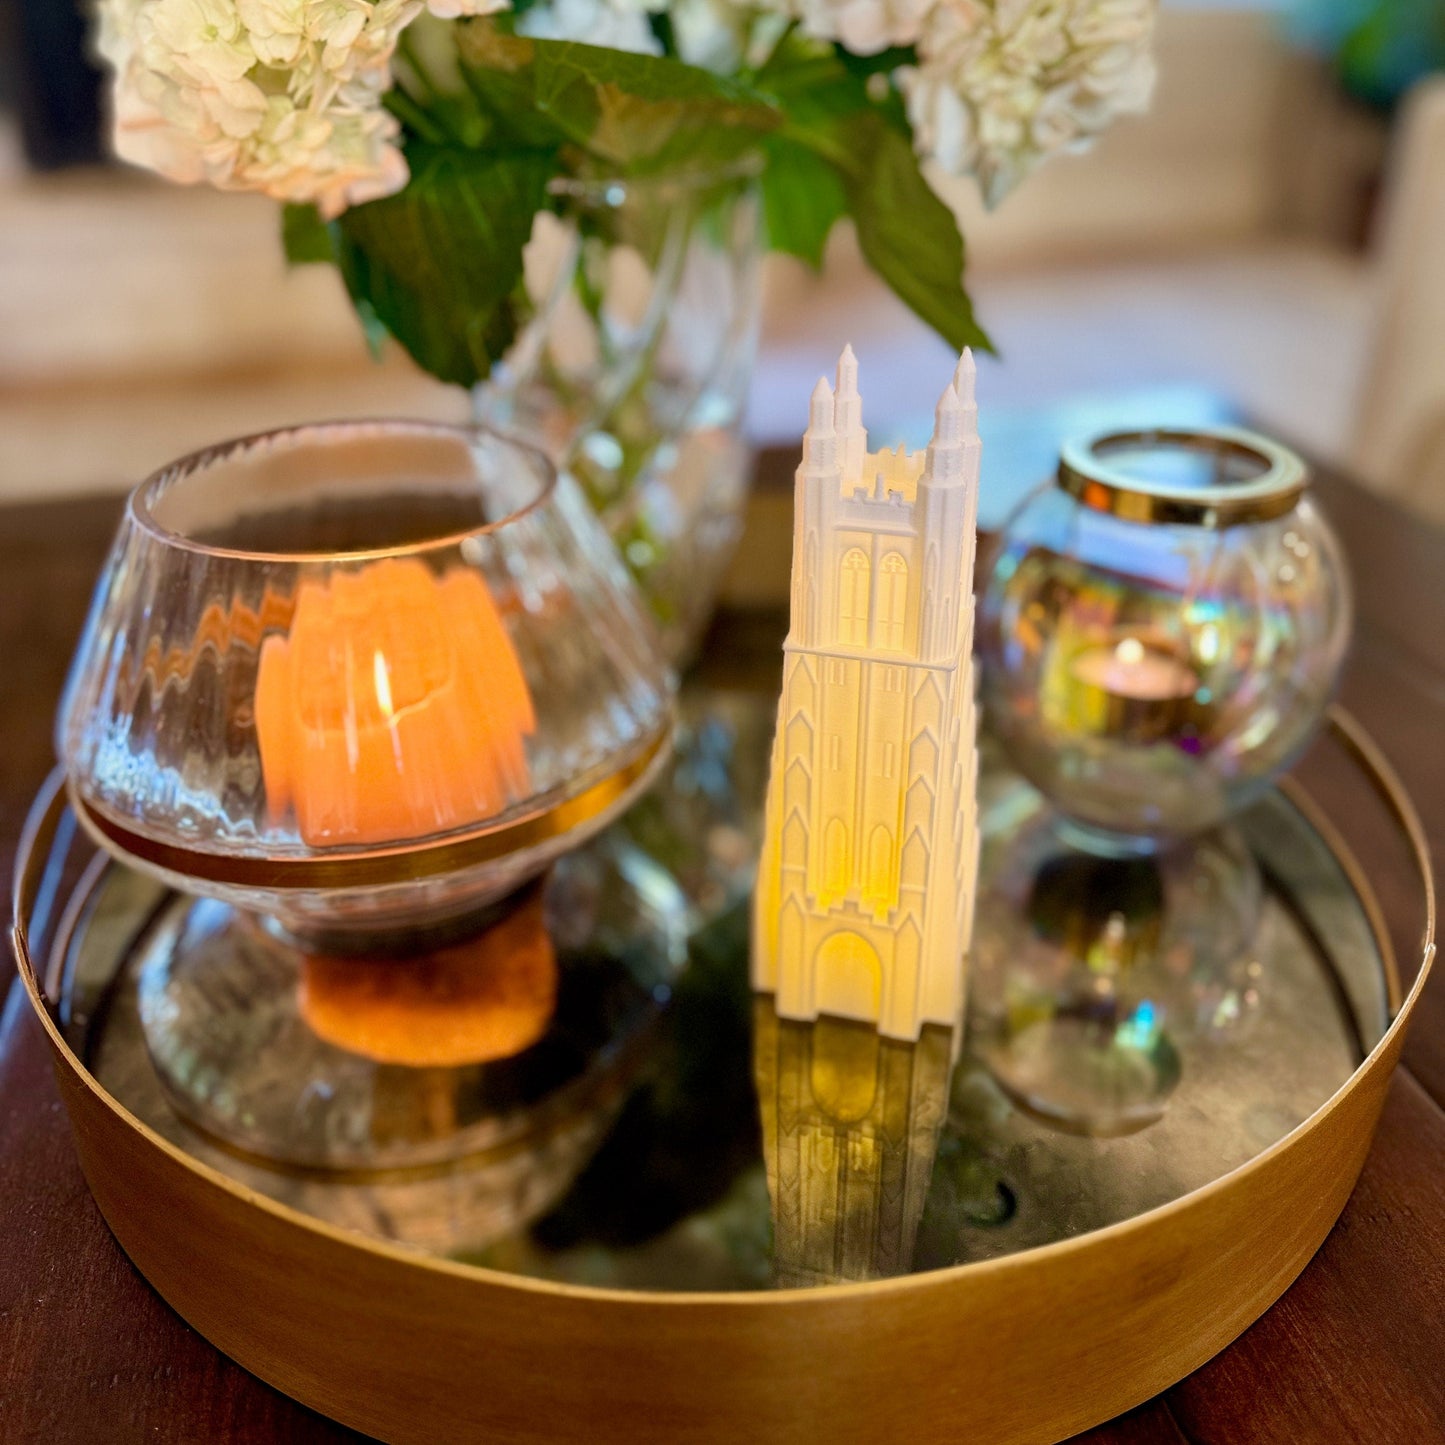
{"x": 919, "y": 1295}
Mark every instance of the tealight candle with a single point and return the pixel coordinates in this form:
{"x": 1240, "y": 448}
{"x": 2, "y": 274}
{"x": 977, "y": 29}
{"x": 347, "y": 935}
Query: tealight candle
{"x": 1127, "y": 687}
{"x": 394, "y": 707}
{"x": 1133, "y": 669}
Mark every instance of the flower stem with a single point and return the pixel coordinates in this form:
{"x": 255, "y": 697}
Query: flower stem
{"x": 412, "y": 114}
{"x": 406, "y": 48}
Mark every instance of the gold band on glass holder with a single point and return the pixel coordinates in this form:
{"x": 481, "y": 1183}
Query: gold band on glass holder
{"x": 373, "y": 868}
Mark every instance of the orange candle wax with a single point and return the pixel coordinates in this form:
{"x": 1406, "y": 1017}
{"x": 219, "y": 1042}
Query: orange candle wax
{"x": 395, "y": 707}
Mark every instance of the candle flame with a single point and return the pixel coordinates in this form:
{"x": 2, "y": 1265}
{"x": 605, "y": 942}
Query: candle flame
{"x": 383, "y": 684}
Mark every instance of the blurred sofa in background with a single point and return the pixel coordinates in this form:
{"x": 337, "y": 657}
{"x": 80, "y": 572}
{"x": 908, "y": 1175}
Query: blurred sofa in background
{"x": 1221, "y": 256}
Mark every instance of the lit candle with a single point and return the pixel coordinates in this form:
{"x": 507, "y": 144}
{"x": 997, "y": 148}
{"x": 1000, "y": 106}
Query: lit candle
{"x": 394, "y": 707}
{"x": 1129, "y": 688}
{"x": 1133, "y": 669}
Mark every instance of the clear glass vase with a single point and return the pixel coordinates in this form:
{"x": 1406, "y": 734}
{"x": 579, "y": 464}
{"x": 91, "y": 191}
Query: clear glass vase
{"x": 633, "y": 369}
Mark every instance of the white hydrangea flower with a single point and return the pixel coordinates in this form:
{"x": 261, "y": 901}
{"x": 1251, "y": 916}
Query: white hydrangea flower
{"x": 204, "y": 39}
{"x": 277, "y": 29}
{"x": 279, "y": 96}
{"x": 455, "y": 9}
{"x": 1001, "y": 84}
{"x": 864, "y": 26}
{"x": 335, "y": 160}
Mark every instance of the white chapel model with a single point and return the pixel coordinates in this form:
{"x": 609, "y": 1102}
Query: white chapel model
{"x": 866, "y": 883}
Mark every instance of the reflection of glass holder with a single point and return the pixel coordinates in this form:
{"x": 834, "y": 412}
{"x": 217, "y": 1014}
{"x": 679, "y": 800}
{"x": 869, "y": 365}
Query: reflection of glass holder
{"x": 365, "y": 1064}
{"x": 1090, "y": 967}
{"x": 386, "y": 1127}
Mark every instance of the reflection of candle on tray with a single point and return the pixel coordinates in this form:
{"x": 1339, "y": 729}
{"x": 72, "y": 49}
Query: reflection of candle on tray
{"x": 1131, "y": 669}
{"x": 485, "y": 999}
{"x": 394, "y": 707}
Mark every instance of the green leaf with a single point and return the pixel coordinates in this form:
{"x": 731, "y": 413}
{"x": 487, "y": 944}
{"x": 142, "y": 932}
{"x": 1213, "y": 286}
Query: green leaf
{"x": 305, "y": 237}
{"x": 820, "y": 89}
{"x": 498, "y": 69}
{"x": 439, "y": 264}
{"x": 908, "y": 236}
{"x": 812, "y": 86}
{"x": 636, "y": 113}
{"x": 802, "y": 197}
{"x": 905, "y": 232}
{"x": 415, "y": 117}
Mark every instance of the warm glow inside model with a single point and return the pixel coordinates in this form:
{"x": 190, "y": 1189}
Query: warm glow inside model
{"x": 395, "y": 706}
{"x": 866, "y": 887}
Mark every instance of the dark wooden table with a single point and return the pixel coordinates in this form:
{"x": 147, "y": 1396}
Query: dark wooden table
{"x": 1354, "y": 1354}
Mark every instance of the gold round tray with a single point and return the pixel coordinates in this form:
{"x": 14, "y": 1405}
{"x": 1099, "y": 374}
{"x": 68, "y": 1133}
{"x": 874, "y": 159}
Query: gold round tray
{"x": 1030, "y": 1346}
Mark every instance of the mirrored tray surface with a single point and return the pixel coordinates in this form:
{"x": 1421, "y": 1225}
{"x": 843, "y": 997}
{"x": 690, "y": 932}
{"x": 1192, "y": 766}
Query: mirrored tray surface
{"x": 648, "y": 1171}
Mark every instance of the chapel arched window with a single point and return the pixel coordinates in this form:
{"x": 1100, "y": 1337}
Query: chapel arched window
{"x": 892, "y": 601}
{"x": 853, "y": 587}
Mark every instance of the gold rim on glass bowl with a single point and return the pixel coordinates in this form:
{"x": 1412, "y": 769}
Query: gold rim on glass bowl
{"x": 1255, "y": 479}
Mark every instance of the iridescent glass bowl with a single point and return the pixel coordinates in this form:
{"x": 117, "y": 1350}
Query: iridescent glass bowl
{"x": 360, "y": 677}
{"x": 352, "y": 687}
{"x": 1162, "y": 628}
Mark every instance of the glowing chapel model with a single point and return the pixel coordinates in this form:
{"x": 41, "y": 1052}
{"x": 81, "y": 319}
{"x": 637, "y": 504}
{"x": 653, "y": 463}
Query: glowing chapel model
{"x": 866, "y": 883}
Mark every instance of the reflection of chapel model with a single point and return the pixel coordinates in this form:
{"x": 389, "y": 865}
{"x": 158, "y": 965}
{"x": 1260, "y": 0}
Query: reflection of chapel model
{"x": 865, "y": 894}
